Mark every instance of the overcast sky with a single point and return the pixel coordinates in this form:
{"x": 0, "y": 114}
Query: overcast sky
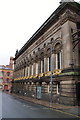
{"x": 19, "y": 20}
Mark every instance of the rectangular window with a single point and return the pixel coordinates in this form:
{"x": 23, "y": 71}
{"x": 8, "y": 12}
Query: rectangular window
{"x": 58, "y": 60}
{"x": 58, "y": 87}
{"x": 49, "y": 63}
{"x": 7, "y": 80}
{"x": 42, "y": 66}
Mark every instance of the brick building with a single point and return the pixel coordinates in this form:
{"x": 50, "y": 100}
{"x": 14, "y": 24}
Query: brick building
{"x": 6, "y": 75}
{"x": 47, "y": 67}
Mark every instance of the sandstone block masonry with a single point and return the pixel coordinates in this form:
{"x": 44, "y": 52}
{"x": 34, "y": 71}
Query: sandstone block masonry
{"x": 48, "y": 66}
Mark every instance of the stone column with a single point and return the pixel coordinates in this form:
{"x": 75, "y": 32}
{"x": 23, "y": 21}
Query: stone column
{"x": 26, "y": 86}
{"x": 68, "y": 91}
{"x": 45, "y": 64}
{"x": 36, "y": 68}
{"x": 67, "y": 44}
{"x": 26, "y": 71}
{"x": 22, "y": 72}
{"x": 29, "y": 71}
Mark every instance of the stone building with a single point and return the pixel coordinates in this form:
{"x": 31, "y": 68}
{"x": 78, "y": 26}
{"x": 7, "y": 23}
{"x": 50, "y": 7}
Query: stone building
{"x": 6, "y": 76}
{"x": 47, "y": 67}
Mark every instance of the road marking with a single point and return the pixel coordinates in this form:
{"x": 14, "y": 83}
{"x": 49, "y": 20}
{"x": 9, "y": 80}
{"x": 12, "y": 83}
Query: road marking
{"x": 65, "y": 113}
{"x": 9, "y": 98}
{"x": 28, "y": 106}
{"x": 34, "y": 108}
{"x": 59, "y": 110}
{"x": 24, "y": 105}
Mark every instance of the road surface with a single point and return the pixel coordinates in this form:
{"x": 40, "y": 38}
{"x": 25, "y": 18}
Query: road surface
{"x": 13, "y": 107}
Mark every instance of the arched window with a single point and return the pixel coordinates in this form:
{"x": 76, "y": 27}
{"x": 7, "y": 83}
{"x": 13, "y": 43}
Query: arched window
{"x": 8, "y": 73}
{"x": 57, "y": 49}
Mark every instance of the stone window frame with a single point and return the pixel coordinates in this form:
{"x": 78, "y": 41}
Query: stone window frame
{"x": 58, "y": 50}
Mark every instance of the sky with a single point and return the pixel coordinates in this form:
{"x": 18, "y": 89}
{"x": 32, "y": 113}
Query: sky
{"x": 19, "y": 20}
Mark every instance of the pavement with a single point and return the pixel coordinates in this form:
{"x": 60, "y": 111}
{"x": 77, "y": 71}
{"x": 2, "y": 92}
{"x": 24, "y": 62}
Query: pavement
{"x": 72, "y": 110}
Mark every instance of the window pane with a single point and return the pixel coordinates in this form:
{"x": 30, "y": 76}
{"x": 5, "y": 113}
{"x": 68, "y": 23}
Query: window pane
{"x": 7, "y": 80}
{"x": 49, "y": 63}
{"x": 58, "y": 58}
{"x": 43, "y": 66}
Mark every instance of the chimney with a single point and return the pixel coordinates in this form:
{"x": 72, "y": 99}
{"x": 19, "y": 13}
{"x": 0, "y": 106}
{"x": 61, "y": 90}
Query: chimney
{"x": 11, "y": 62}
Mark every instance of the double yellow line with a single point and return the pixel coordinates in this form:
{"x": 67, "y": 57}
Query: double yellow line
{"x": 65, "y": 112}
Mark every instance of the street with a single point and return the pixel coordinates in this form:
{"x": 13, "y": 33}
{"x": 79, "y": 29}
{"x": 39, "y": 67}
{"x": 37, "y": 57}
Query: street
{"x": 13, "y": 107}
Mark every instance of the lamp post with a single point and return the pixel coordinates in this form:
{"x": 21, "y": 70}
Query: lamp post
{"x": 51, "y": 74}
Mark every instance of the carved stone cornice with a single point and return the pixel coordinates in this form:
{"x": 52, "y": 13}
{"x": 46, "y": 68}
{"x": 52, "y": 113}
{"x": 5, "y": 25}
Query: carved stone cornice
{"x": 67, "y": 16}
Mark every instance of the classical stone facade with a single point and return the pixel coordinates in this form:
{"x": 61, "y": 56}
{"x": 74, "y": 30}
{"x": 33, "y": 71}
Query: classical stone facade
{"x": 47, "y": 67}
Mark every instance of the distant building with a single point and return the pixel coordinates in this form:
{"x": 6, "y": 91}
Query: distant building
{"x": 47, "y": 67}
{"x": 6, "y": 75}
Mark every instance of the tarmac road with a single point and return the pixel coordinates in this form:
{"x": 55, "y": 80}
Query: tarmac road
{"x": 13, "y": 107}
